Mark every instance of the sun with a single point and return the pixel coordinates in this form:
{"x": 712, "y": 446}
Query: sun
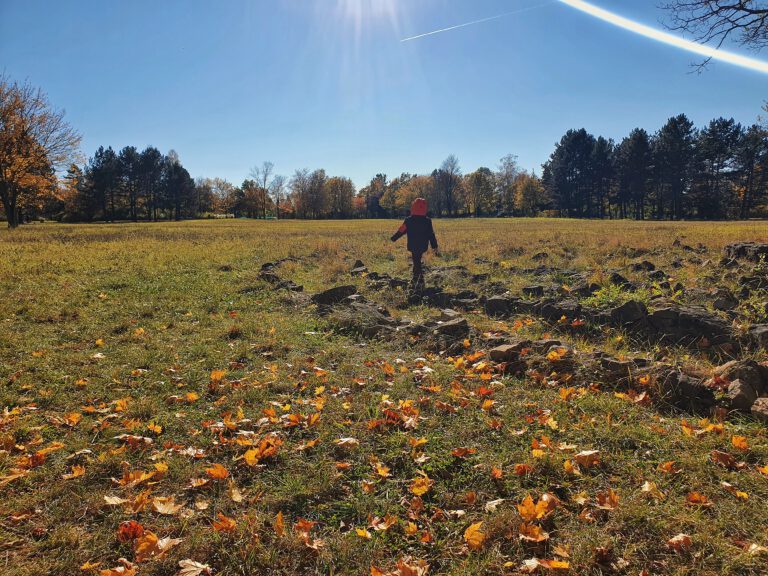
{"x": 360, "y": 13}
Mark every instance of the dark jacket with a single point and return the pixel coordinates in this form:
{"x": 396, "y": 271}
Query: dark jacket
{"x": 420, "y": 234}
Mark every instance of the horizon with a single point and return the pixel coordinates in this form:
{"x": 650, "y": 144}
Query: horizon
{"x": 332, "y": 85}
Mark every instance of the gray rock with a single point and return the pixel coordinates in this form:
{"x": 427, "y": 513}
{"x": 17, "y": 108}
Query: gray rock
{"x": 617, "y": 368}
{"x": 533, "y": 291}
{"x": 754, "y": 282}
{"x": 684, "y": 392}
{"x": 741, "y": 395}
{"x": 619, "y": 280}
{"x": 747, "y": 371}
{"x": 644, "y": 266}
{"x": 748, "y": 250}
{"x": 687, "y": 325}
{"x": 508, "y": 352}
{"x": 760, "y": 409}
{"x": 724, "y": 300}
{"x": 457, "y": 328}
{"x": 628, "y": 313}
{"x": 498, "y": 306}
{"x": 759, "y": 335}
{"x": 448, "y": 314}
{"x": 556, "y": 310}
{"x": 333, "y": 295}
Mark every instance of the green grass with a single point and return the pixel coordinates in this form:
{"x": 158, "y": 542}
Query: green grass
{"x": 167, "y": 304}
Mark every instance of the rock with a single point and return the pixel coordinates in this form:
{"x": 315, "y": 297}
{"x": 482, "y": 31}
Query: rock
{"x": 688, "y": 325}
{"x": 458, "y": 328}
{"x": 759, "y": 335}
{"x": 358, "y": 264}
{"x": 358, "y": 268}
{"x": 333, "y": 295}
{"x": 290, "y": 285}
{"x": 754, "y": 282}
{"x": 533, "y": 291}
{"x": 617, "y": 368}
{"x": 270, "y": 277}
{"x": 498, "y": 306}
{"x": 416, "y": 329}
{"x": 684, "y": 392}
{"x": 528, "y": 307}
{"x": 644, "y": 266}
{"x": 556, "y": 310}
{"x": 584, "y": 289}
{"x": 619, "y": 280}
{"x": 364, "y": 318}
{"x": 760, "y": 409}
{"x": 541, "y": 346}
{"x": 538, "y": 257}
{"x": 747, "y": 371}
{"x": 448, "y": 314}
{"x": 628, "y": 313}
{"x": 742, "y": 395}
{"x": 725, "y": 300}
{"x": 504, "y": 353}
{"x": 748, "y": 250}
{"x": 658, "y": 276}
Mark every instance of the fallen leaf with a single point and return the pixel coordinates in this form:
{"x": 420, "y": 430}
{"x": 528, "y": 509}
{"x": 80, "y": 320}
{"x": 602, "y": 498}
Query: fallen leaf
{"x": 474, "y": 536}
{"x": 191, "y": 568}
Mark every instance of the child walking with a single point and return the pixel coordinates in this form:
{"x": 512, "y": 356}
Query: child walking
{"x": 418, "y": 228}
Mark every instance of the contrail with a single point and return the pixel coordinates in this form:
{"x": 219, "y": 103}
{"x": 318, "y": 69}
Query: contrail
{"x": 475, "y": 22}
{"x": 666, "y": 38}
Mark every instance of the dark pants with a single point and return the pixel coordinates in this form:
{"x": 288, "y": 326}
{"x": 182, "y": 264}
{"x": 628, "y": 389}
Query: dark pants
{"x": 418, "y": 270}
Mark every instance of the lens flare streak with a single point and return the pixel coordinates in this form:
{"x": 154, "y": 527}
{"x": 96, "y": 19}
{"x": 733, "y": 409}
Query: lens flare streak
{"x": 666, "y": 38}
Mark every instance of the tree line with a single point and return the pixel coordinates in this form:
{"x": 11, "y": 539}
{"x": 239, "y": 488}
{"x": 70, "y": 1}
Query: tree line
{"x": 717, "y": 172}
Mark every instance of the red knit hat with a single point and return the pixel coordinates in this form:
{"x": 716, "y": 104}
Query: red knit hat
{"x": 419, "y": 207}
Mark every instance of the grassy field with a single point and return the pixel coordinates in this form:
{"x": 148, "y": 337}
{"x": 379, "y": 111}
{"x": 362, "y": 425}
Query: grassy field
{"x": 163, "y": 404}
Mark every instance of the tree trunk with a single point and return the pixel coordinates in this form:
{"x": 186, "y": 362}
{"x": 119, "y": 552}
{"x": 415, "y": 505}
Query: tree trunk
{"x": 9, "y": 205}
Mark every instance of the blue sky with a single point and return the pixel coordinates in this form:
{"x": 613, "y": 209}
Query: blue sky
{"x": 328, "y": 84}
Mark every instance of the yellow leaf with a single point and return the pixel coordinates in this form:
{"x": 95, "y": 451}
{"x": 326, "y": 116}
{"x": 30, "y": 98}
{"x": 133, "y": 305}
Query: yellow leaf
{"x": 474, "y": 536}
{"x": 76, "y": 472}
{"x": 421, "y": 485}
{"x": 279, "y": 525}
{"x": 224, "y": 523}
{"x": 740, "y": 442}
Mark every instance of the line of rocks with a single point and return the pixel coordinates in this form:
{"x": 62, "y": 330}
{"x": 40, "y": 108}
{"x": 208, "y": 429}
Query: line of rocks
{"x": 741, "y": 385}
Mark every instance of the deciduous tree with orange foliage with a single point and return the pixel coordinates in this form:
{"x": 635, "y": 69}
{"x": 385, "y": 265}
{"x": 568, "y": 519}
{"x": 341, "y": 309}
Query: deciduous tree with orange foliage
{"x": 35, "y": 141}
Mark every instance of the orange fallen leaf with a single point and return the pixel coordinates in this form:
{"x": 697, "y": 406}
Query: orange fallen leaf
{"x": 217, "y": 472}
{"x": 680, "y": 543}
{"x": 224, "y": 523}
{"x": 474, "y": 536}
{"x": 150, "y": 546}
{"x": 279, "y": 525}
{"x": 698, "y": 499}
{"x": 532, "y": 533}
{"x": 421, "y": 485}
{"x": 740, "y": 442}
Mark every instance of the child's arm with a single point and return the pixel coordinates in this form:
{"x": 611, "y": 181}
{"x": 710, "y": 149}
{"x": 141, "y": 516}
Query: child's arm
{"x": 400, "y": 232}
{"x": 432, "y": 237}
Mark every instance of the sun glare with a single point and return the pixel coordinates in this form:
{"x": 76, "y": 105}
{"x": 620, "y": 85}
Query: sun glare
{"x": 362, "y": 12}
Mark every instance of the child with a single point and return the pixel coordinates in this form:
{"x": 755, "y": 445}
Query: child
{"x": 418, "y": 227}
